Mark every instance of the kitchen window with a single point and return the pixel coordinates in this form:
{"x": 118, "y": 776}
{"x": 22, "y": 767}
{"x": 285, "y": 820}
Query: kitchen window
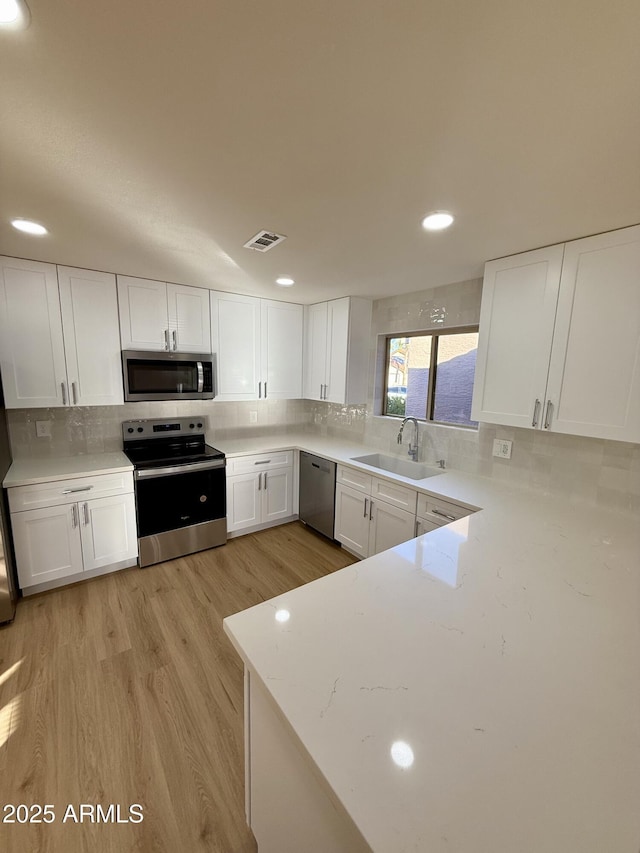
{"x": 429, "y": 376}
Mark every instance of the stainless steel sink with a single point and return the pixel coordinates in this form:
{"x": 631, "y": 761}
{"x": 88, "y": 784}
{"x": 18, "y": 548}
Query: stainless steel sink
{"x": 403, "y": 467}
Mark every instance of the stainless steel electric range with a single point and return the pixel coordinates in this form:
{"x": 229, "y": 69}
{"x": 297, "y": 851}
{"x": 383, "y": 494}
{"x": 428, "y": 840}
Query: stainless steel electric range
{"x": 180, "y": 484}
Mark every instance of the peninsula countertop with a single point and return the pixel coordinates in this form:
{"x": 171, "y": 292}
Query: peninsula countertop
{"x": 501, "y": 651}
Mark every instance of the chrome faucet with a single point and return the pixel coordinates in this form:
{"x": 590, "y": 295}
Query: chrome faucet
{"x": 413, "y": 448}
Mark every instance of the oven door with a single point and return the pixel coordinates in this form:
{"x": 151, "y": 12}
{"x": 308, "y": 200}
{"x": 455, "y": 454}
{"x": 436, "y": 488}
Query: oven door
{"x": 179, "y": 496}
{"x": 167, "y": 376}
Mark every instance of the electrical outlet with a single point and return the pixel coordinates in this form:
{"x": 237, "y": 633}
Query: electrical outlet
{"x": 502, "y": 448}
{"x": 43, "y": 429}
{"x": 253, "y": 417}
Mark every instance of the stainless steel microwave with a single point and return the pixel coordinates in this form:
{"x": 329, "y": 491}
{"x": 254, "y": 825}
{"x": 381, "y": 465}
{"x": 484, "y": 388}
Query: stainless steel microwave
{"x": 167, "y": 375}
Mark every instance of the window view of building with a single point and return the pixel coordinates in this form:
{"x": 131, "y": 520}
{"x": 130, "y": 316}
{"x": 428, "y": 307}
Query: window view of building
{"x": 430, "y": 376}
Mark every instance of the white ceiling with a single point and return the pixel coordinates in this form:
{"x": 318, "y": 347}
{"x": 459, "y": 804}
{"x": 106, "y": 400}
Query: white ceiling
{"x": 154, "y": 138}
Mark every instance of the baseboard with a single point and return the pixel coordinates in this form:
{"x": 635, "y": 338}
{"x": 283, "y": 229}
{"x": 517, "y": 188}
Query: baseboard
{"x": 265, "y": 526}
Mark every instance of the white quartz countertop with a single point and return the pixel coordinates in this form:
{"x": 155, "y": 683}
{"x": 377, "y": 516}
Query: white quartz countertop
{"x": 448, "y": 484}
{"x": 503, "y": 650}
{"x": 26, "y": 472}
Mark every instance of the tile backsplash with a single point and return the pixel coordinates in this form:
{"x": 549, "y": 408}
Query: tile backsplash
{"x": 594, "y": 471}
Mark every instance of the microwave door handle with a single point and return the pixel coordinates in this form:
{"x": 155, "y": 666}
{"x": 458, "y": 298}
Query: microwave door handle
{"x": 200, "y": 377}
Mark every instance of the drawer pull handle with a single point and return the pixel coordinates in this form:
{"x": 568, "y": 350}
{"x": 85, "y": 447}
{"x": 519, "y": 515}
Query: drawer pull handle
{"x": 443, "y": 514}
{"x": 262, "y": 462}
{"x": 72, "y": 491}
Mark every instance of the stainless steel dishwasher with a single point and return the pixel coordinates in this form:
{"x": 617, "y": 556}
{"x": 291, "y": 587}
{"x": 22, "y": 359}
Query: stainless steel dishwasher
{"x": 317, "y": 492}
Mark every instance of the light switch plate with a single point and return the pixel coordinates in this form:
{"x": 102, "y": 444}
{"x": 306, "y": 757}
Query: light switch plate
{"x": 43, "y": 429}
{"x": 502, "y": 448}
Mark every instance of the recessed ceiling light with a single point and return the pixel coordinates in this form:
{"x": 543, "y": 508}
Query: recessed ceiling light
{"x": 14, "y": 14}
{"x": 437, "y": 221}
{"x": 285, "y": 281}
{"x": 29, "y": 227}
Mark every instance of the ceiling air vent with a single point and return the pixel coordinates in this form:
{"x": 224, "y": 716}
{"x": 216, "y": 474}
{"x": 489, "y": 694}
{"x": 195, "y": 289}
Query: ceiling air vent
{"x": 264, "y": 240}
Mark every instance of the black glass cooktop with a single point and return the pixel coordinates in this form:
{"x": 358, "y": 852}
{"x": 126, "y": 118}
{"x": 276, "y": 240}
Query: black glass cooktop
{"x": 158, "y": 452}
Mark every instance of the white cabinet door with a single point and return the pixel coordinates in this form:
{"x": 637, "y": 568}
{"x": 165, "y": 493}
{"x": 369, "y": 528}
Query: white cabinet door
{"x": 142, "y": 305}
{"x": 31, "y": 345}
{"x": 108, "y": 531}
{"x": 244, "y": 501}
{"x": 352, "y": 520}
{"x": 89, "y": 305}
{"x": 519, "y": 298}
{"x": 594, "y": 375}
{"x": 337, "y": 350}
{"x": 47, "y": 544}
{"x": 189, "y": 318}
{"x": 235, "y": 327}
{"x": 277, "y": 494}
{"x": 281, "y": 361}
{"x": 315, "y": 351}
{"x": 389, "y": 526}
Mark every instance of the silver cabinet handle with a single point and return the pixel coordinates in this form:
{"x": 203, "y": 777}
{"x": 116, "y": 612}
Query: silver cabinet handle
{"x": 74, "y": 393}
{"x": 547, "y": 414}
{"x": 174, "y": 335}
{"x": 73, "y": 491}
{"x": 370, "y": 510}
{"x": 166, "y": 339}
{"x": 536, "y": 406}
{"x": 265, "y": 481}
{"x": 418, "y": 526}
{"x": 74, "y": 515}
{"x": 262, "y": 462}
{"x": 259, "y": 390}
{"x": 321, "y": 387}
{"x": 85, "y": 512}
{"x": 265, "y": 390}
{"x": 326, "y": 391}
{"x": 366, "y": 501}
{"x": 443, "y": 514}
{"x": 64, "y": 393}
{"x": 260, "y": 481}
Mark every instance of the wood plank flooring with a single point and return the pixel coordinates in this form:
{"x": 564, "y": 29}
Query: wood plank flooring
{"x": 124, "y": 689}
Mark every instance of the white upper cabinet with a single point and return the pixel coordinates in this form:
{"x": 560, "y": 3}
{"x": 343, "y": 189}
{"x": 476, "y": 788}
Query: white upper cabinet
{"x": 281, "y": 361}
{"x": 519, "y": 298}
{"x": 559, "y": 345}
{"x": 91, "y": 337}
{"x": 159, "y": 316}
{"x": 59, "y": 337}
{"x": 188, "y": 314}
{"x": 315, "y": 350}
{"x": 594, "y": 373}
{"x": 31, "y": 345}
{"x": 258, "y": 347}
{"x": 337, "y": 338}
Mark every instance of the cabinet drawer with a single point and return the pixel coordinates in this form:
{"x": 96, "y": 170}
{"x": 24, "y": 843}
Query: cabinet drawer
{"x": 395, "y": 494}
{"x": 355, "y": 479}
{"x": 259, "y": 462}
{"x": 440, "y": 511}
{"x": 59, "y": 492}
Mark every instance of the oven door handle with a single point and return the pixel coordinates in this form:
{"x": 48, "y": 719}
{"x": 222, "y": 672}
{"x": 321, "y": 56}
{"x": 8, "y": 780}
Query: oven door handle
{"x": 171, "y": 470}
{"x": 200, "y": 377}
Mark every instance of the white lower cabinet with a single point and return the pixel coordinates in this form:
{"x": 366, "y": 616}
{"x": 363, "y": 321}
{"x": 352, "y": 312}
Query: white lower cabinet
{"x": 433, "y": 512}
{"x": 259, "y": 490}
{"x": 372, "y": 514}
{"x": 69, "y": 537}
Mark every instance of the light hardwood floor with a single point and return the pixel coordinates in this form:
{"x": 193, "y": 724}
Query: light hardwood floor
{"x": 124, "y": 689}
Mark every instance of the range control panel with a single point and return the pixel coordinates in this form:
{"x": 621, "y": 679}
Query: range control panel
{"x": 163, "y": 428}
